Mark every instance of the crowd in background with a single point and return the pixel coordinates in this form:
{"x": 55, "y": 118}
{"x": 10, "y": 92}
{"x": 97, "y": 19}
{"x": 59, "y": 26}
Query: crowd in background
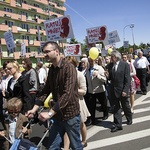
{"x": 108, "y": 80}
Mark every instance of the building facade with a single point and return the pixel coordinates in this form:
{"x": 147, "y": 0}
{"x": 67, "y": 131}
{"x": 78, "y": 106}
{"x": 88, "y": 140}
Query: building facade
{"x": 25, "y": 19}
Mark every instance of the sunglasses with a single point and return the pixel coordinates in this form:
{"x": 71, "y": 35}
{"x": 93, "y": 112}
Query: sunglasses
{"x": 9, "y": 68}
{"x": 13, "y": 112}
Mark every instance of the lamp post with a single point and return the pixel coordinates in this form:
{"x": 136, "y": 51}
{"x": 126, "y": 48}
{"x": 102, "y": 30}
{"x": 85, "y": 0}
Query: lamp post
{"x": 131, "y": 26}
{"x": 48, "y": 9}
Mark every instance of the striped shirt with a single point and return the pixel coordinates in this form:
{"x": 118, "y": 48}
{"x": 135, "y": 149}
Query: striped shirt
{"x": 62, "y": 82}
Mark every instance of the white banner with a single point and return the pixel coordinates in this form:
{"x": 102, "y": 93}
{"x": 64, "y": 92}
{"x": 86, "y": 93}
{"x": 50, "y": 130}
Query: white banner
{"x": 72, "y": 50}
{"x": 23, "y": 49}
{"x": 58, "y": 28}
{"x": 126, "y": 44}
{"x": 113, "y": 37}
{"x": 9, "y": 40}
{"x": 97, "y": 34}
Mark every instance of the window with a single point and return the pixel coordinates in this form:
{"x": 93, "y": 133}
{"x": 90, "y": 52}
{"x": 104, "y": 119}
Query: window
{"x": 24, "y": 13}
{"x": 25, "y": 26}
{"x": 25, "y": 37}
{"x": 9, "y": 23}
{"x": 28, "y": 49}
{"x": 8, "y": 9}
{"x": 37, "y": 39}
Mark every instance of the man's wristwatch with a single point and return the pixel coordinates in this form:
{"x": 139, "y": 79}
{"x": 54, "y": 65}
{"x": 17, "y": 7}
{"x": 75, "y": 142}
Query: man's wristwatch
{"x": 50, "y": 114}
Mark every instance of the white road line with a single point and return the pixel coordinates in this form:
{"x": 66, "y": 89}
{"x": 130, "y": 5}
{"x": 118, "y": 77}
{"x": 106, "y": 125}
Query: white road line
{"x": 95, "y": 129}
{"x": 118, "y": 139}
{"x": 140, "y": 99}
{"x": 141, "y": 110}
{"x": 146, "y": 148}
{"x": 144, "y": 102}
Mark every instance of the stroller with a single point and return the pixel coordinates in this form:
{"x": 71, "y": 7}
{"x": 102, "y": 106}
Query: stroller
{"x": 24, "y": 144}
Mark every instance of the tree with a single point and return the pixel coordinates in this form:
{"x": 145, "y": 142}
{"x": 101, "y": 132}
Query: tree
{"x": 73, "y": 41}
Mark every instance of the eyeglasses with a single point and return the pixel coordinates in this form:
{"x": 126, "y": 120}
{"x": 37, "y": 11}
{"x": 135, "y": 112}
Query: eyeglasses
{"x": 9, "y": 68}
{"x": 48, "y": 51}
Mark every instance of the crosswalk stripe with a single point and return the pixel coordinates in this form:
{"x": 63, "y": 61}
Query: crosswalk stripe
{"x": 146, "y": 148}
{"x": 105, "y": 125}
{"x": 118, "y": 139}
{"x": 144, "y": 102}
{"x": 140, "y": 99}
{"x": 93, "y": 130}
{"x": 142, "y": 110}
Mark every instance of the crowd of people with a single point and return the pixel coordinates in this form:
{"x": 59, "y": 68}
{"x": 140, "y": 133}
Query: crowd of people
{"x": 76, "y": 87}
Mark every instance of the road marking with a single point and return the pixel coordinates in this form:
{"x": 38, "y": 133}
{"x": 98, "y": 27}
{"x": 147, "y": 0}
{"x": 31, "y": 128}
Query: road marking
{"x": 146, "y": 148}
{"x": 107, "y": 124}
{"x": 141, "y": 110}
{"x": 118, "y": 139}
{"x": 140, "y": 99}
{"x": 144, "y": 102}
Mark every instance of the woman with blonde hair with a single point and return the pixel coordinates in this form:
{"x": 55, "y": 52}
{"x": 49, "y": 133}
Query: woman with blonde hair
{"x": 14, "y": 88}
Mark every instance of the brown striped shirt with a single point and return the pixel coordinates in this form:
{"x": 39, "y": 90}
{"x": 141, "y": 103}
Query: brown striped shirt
{"x": 62, "y": 82}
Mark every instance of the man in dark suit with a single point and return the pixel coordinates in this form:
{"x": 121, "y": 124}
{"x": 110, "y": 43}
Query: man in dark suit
{"x": 119, "y": 75}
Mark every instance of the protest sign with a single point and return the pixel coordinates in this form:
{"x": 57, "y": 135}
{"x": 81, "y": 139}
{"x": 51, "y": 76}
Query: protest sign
{"x": 58, "y": 28}
{"x": 9, "y": 41}
{"x": 23, "y": 49}
{"x": 72, "y": 50}
{"x": 97, "y": 34}
{"x": 113, "y": 37}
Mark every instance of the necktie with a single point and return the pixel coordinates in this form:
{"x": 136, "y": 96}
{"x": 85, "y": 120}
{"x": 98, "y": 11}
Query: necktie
{"x": 114, "y": 67}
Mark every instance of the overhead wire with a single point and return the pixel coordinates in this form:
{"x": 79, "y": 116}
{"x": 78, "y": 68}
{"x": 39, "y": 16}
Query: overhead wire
{"x": 79, "y": 14}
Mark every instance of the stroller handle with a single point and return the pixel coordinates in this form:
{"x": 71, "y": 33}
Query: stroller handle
{"x": 50, "y": 123}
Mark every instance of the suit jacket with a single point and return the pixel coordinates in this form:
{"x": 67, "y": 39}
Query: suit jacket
{"x": 96, "y": 84}
{"x": 120, "y": 79}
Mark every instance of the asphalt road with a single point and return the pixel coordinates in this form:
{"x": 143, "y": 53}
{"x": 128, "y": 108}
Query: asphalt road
{"x": 132, "y": 137}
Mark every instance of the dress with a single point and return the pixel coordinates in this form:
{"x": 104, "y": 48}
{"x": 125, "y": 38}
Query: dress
{"x": 132, "y": 73}
{"x": 84, "y": 112}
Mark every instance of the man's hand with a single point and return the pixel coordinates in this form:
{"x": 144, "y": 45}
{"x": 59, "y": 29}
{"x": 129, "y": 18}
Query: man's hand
{"x": 43, "y": 116}
{"x": 30, "y": 113}
{"x": 2, "y": 133}
{"x": 95, "y": 73}
{"x": 106, "y": 73}
{"x": 124, "y": 94}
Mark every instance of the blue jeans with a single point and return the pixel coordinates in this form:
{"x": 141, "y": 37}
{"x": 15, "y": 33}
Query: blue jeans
{"x": 58, "y": 129}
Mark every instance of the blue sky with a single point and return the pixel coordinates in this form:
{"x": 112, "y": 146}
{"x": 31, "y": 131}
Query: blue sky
{"x": 115, "y": 14}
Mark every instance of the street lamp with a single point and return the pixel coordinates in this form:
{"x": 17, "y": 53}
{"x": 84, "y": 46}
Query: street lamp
{"x": 48, "y": 9}
{"x": 131, "y": 26}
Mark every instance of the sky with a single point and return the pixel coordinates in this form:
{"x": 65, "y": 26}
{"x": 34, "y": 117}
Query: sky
{"x": 115, "y": 14}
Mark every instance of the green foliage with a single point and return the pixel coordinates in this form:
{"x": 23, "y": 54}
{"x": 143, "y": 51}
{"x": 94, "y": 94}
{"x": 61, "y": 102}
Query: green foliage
{"x": 120, "y": 49}
{"x": 73, "y": 41}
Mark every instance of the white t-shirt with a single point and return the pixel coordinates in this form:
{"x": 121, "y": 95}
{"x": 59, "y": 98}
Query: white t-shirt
{"x": 42, "y": 75}
{"x": 12, "y": 129}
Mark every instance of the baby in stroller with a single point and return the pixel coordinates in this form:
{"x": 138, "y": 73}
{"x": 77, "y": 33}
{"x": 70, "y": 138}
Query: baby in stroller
{"x": 15, "y": 123}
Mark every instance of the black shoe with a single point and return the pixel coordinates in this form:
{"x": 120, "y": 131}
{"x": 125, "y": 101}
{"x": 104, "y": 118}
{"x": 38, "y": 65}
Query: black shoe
{"x": 115, "y": 129}
{"x": 105, "y": 117}
{"x": 88, "y": 122}
{"x": 129, "y": 122}
{"x": 93, "y": 123}
{"x": 144, "y": 93}
{"x": 84, "y": 144}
